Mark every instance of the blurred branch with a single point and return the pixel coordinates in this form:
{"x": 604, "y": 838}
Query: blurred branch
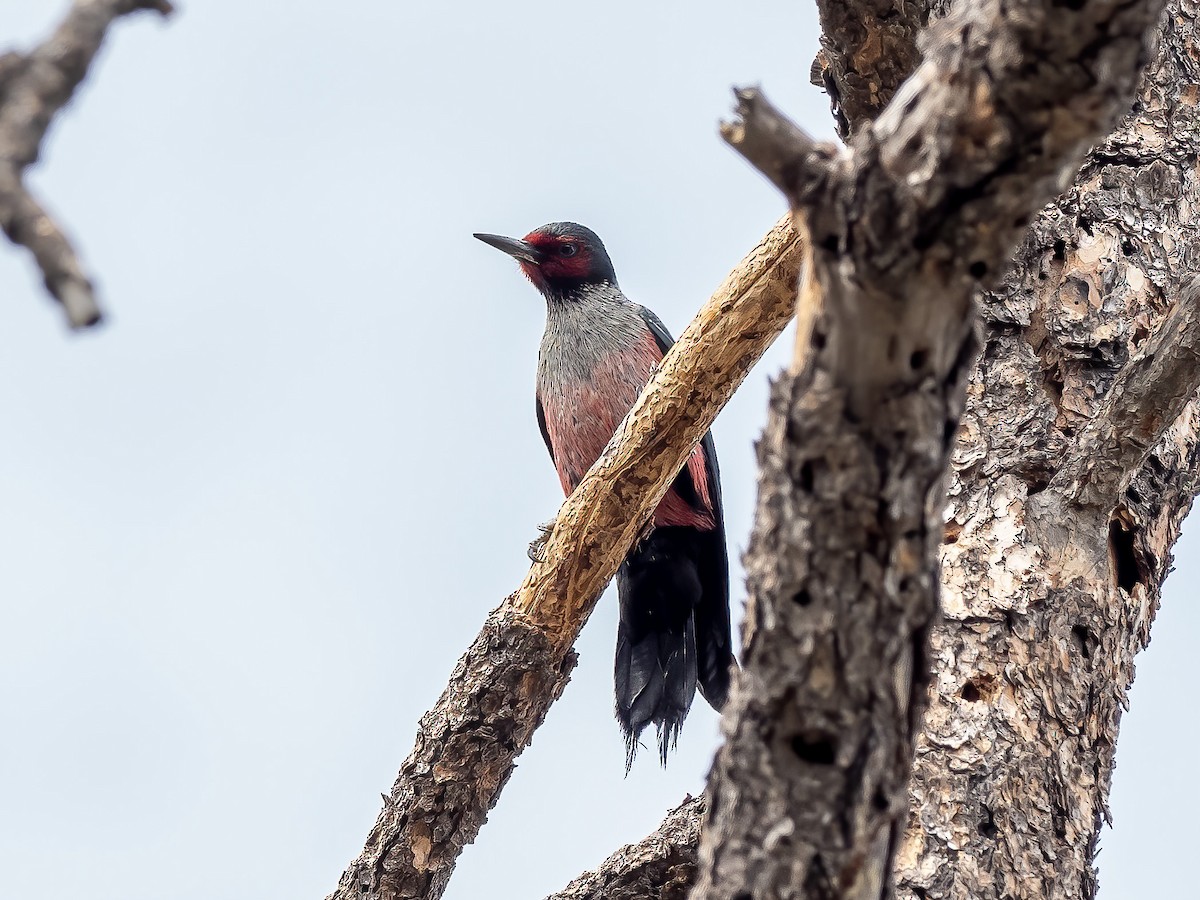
{"x": 33, "y": 89}
{"x": 498, "y": 694}
{"x": 779, "y": 148}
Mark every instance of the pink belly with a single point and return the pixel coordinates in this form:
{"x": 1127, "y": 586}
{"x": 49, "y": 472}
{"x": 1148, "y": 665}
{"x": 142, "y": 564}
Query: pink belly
{"x": 580, "y": 425}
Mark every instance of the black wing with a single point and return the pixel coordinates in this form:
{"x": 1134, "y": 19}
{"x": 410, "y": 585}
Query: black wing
{"x": 541, "y": 417}
{"x": 713, "y": 640}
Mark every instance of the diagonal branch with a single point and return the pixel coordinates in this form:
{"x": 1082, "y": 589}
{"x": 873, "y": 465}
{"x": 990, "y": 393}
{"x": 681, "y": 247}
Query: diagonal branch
{"x": 467, "y": 744}
{"x": 33, "y": 90}
{"x": 26, "y": 223}
{"x": 1147, "y": 399}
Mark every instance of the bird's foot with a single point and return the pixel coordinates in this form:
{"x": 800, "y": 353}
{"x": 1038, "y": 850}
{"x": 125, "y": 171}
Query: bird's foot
{"x": 537, "y": 547}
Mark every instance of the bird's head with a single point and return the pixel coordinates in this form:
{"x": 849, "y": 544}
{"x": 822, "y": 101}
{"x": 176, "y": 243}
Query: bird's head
{"x": 559, "y": 258}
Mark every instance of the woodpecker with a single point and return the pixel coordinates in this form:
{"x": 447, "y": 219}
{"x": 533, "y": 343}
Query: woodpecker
{"x": 597, "y": 353}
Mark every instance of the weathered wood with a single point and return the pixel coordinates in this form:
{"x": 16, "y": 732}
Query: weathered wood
{"x": 597, "y": 525}
{"x": 1148, "y": 396}
{"x": 1046, "y": 603}
{"x": 1055, "y": 557}
{"x": 468, "y": 743}
{"x": 661, "y": 865}
{"x": 809, "y": 794}
{"x": 868, "y": 48}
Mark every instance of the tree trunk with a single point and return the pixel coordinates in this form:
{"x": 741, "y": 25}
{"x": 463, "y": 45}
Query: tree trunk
{"x": 1058, "y": 534}
{"x": 1059, "y": 525}
{"x": 808, "y": 796}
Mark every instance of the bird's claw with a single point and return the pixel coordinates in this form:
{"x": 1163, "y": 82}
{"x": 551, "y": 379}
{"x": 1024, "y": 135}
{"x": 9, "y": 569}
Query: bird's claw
{"x": 537, "y": 547}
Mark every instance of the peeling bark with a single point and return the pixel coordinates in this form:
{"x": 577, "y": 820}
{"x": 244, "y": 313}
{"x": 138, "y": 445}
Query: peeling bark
{"x": 868, "y": 47}
{"x": 1060, "y": 524}
{"x": 496, "y": 697}
{"x": 808, "y": 796}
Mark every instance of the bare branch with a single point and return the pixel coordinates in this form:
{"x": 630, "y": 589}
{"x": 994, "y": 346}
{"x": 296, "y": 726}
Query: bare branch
{"x": 467, "y": 744}
{"x": 777, "y": 146}
{"x": 662, "y": 865}
{"x": 27, "y": 224}
{"x": 33, "y": 89}
{"x": 1147, "y": 399}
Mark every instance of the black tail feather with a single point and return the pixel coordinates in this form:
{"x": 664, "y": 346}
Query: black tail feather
{"x": 655, "y": 683}
{"x": 664, "y": 644}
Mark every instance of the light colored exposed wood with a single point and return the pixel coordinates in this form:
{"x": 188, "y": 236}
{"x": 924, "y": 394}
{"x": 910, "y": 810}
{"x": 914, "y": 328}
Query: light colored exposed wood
{"x": 598, "y": 522}
{"x": 516, "y": 668}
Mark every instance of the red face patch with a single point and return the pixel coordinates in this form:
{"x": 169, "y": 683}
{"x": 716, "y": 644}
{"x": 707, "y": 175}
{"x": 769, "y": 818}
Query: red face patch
{"x": 563, "y": 257}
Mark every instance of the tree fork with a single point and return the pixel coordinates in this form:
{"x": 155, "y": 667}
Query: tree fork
{"x": 33, "y": 90}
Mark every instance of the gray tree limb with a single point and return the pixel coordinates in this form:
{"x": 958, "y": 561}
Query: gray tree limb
{"x": 1047, "y": 601}
{"x": 775, "y": 145}
{"x": 809, "y": 794}
{"x": 34, "y": 87}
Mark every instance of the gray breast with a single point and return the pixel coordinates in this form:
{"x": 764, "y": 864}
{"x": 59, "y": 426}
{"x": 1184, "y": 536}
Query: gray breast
{"x": 583, "y": 330}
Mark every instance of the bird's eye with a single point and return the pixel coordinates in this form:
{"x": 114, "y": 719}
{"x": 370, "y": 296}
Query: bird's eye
{"x": 567, "y": 249}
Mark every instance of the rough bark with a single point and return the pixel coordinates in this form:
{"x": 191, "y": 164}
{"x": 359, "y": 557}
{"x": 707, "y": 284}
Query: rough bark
{"x": 34, "y": 87}
{"x": 662, "y": 865}
{"x": 808, "y": 795}
{"x": 1048, "y": 589}
{"x": 468, "y": 743}
{"x": 1059, "y": 532}
{"x": 868, "y": 47}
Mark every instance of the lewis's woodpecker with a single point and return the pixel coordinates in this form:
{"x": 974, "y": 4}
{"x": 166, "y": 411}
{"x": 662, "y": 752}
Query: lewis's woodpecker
{"x": 597, "y": 354}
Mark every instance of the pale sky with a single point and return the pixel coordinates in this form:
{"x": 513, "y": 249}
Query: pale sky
{"x": 250, "y": 524}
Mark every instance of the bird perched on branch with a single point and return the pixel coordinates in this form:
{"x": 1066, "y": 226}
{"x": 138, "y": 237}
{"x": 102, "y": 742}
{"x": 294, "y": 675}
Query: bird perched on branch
{"x": 597, "y": 353}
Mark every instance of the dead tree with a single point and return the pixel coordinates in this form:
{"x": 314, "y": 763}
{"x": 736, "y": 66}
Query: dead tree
{"x": 1074, "y": 466}
{"x": 1082, "y": 388}
{"x": 877, "y": 745}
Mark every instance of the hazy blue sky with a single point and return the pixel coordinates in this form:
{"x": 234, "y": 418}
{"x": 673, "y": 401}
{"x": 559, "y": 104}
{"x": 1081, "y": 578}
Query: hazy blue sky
{"x": 249, "y": 525}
